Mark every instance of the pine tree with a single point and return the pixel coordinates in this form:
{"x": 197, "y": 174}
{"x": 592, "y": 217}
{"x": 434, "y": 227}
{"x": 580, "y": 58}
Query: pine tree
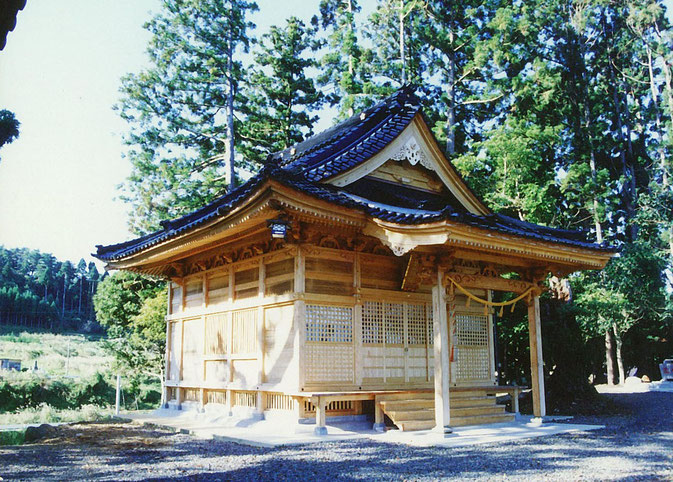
{"x": 181, "y": 110}
{"x": 283, "y": 96}
{"x": 345, "y": 67}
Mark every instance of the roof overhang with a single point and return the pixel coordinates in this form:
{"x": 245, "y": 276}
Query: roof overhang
{"x": 402, "y": 238}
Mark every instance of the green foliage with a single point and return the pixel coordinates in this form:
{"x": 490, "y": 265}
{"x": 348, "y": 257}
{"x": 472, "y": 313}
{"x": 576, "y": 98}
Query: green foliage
{"x": 282, "y": 95}
{"x": 9, "y": 127}
{"x": 37, "y": 290}
{"x": 12, "y": 438}
{"x": 18, "y": 392}
{"x": 132, "y": 308}
{"x": 181, "y": 109}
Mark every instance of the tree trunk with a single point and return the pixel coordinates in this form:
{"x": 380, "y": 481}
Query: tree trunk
{"x": 609, "y": 359}
{"x": 230, "y": 172}
{"x": 402, "y": 59}
{"x": 451, "y": 107}
{"x": 351, "y": 27}
{"x": 657, "y": 120}
{"x": 669, "y": 87}
{"x": 618, "y": 353}
{"x": 79, "y": 307}
{"x": 63, "y": 304}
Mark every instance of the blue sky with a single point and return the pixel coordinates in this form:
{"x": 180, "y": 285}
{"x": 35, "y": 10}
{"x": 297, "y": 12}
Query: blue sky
{"x": 59, "y": 74}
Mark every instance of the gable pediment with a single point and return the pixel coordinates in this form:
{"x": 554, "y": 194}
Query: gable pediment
{"x": 413, "y": 159}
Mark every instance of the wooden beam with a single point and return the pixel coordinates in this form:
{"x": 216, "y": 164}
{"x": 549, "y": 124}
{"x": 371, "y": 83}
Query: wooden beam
{"x": 536, "y": 362}
{"x": 299, "y": 317}
{"x": 488, "y": 282}
{"x": 441, "y": 336}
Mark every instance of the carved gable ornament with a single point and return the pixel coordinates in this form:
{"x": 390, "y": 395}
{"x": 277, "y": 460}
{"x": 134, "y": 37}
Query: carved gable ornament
{"x": 411, "y": 151}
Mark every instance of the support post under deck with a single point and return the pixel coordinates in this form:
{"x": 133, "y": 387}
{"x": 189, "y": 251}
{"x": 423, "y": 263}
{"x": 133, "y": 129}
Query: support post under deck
{"x": 536, "y": 362}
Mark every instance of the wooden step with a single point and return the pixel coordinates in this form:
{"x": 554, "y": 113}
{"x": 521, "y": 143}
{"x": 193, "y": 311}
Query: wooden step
{"x": 429, "y": 413}
{"x": 407, "y": 396}
{"x": 407, "y": 404}
{"x": 409, "y": 425}
{"x": 476, "y": 411}
{"x": 482, "y": 419}
{"x": 405, "y": 415}
{"x": 471, "y": 401}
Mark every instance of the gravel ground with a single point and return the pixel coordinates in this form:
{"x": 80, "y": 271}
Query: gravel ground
{"x": 635, "y": 445}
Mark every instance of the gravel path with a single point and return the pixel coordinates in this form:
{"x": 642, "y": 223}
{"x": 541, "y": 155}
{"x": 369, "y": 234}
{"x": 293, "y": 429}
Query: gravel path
{"x": 636, "y": 445}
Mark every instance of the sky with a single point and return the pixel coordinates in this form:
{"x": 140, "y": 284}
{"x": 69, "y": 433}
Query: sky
{"x": 59, "y": 73}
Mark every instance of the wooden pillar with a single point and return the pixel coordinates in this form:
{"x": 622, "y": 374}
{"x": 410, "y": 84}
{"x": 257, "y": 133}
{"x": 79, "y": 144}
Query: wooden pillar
{"x": 261, "y": 399}
{"x": 379, "y": 422}
{"x": 182, "y": 351}
{"x": 441, "y": 348}
{"x": 357, "y": 323}
{"x": 299, "y": 317}
{"x": 320, "y": 417}
{"x": 536, "y": 362}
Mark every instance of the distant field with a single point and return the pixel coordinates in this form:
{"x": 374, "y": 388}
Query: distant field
{"x": 73, "y": 354}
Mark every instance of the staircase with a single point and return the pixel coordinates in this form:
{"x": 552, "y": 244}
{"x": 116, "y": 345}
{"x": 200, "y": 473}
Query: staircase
{"x": 416, "y": 411}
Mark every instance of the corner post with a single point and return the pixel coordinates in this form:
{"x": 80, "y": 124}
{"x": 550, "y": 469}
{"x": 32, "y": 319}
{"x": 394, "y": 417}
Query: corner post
{"x": 536, "y": 362}
{"x": 441, "y": 351}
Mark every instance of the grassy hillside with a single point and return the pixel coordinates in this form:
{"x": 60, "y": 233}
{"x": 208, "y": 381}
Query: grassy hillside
{"x": 79, "y": 355}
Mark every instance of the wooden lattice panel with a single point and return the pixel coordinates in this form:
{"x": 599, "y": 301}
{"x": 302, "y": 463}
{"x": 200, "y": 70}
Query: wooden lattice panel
{"x": 244, "y": 331}
{"x": 372, "y": 322}
{"x": 328, "y": 362}
{"x": 472, "y": 348}
{"x": 417, "y": 324}
{"x": 394, "y": 323}
{"x": 331, "y": 324}
{"x": 216, "y": 334}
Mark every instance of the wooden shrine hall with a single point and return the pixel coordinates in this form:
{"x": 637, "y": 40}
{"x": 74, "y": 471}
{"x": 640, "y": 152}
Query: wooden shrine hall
{"x": 352, "y": 275}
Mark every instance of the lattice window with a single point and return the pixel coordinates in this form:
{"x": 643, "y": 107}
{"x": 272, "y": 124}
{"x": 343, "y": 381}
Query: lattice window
{"x": 372, "y": 322}
{"x": 471, "y": 339}
{"x": 471, "y": 330}
{"x": 394, "y": 323}
{"x": 244, "y": 331}
{"x": 417, "y": 324}
{"x": 333, "y": 324}
{"x": 216, "y": 334}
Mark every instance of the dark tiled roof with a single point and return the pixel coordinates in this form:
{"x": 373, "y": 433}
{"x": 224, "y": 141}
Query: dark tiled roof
{"x": 339, "y": 149}
{"x": 353, "y": 141}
